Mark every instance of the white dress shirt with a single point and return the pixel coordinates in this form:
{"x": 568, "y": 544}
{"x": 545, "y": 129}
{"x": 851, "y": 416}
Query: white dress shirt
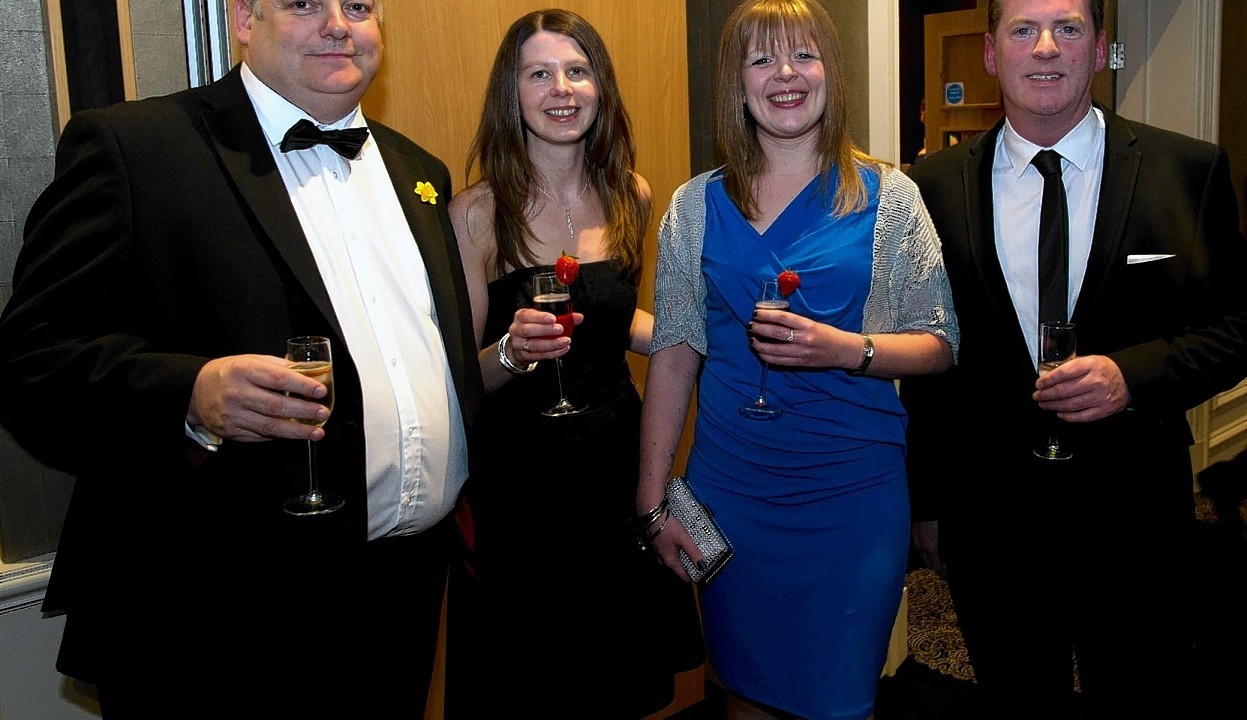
{"x": 378, "y": 284}
{"x": 1017, "y": 195}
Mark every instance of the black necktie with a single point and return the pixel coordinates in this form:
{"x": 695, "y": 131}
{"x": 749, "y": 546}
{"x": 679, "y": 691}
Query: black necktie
{"x": 304, "y": 134}
{"x": 1053, "y": 240}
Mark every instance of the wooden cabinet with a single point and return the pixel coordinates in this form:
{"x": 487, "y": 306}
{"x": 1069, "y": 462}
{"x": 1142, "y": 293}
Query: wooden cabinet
{"x": 953, "y": 49}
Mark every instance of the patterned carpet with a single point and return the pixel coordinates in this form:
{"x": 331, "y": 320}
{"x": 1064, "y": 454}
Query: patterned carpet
{"x": 934, "y": 639}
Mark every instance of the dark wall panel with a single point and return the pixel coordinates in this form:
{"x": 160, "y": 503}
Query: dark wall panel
{"x": 92, "y": 53}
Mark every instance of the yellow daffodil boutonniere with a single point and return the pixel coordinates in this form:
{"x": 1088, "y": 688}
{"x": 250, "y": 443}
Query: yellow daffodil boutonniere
{"x": 426, "y": 192}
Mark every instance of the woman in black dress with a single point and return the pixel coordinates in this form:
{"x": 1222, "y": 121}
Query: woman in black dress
{"x": 564, "y": 613}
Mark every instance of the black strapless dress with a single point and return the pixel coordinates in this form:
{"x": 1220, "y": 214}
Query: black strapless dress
{"x": 571, "y": 619}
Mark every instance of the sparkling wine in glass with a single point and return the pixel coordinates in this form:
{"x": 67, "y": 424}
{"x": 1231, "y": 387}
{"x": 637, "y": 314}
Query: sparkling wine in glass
{"x": 1058, "y": 342}
{"x": 759, "y": 408}
{"x": 552, "y": 296}
{"x": 311, "y": 356}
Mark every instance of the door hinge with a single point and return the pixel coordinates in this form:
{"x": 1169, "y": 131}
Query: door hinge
{"x": 1116, "y": 56}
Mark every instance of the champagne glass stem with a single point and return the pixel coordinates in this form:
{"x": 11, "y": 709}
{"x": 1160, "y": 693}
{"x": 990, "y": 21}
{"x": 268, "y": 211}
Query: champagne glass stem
{"x": 762, "y": 384}
{"x": 313, "y": 485}
{"x": 558, "y": 372}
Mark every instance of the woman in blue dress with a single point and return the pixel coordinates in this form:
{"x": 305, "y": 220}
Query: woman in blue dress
{"x": 813, "y": 498}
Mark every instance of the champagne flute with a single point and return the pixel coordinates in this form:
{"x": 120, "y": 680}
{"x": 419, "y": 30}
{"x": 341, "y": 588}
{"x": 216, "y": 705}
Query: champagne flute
{"x": 1057, "y": 343}
{"x": 759, "y": 408}
{"x": 552, "y": 296}
{"x": 311, "y": 356}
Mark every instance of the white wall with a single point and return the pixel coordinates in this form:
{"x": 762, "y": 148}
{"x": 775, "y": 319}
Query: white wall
{"x": 30, "y": 686}
{"x": 1171, "y": 77}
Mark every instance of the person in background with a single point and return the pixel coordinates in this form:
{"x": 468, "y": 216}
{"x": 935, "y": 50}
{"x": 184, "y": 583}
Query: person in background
{"x": 922, "y": 120}
{"x": 181, "y": 242}
{"x": 555, "y": 552}
{"x": 814, "y": 498}
{"x": 1078, "y": 564}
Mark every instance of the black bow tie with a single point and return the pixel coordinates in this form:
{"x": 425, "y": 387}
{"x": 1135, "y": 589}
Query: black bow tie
{"x": 304, "y": 134}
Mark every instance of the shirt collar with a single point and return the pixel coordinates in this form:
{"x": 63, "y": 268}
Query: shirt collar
{"x": 1077, "y": 147}
{"x": 277, "y": 114}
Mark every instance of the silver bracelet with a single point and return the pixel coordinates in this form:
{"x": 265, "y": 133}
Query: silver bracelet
{"x": 506, "y": 361}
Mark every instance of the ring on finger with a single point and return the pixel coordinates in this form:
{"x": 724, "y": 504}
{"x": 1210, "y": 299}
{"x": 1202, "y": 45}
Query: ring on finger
{"x": 525, "y": 346}
{"x": 791, "y": 334}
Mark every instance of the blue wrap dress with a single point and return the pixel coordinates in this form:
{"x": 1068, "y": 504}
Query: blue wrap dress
{"x": 815, "y": 502}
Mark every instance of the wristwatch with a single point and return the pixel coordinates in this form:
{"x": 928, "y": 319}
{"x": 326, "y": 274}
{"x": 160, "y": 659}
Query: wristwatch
{"x": 868, "y": 354}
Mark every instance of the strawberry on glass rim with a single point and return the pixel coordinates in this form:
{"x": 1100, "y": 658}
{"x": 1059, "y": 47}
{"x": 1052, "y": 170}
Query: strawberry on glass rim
{"x": 567, "y": 268}
{"x": 788, "y": 281}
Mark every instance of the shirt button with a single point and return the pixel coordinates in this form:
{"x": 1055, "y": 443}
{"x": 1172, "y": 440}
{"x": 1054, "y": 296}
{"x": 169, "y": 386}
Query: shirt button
{"x": 394, "y": 362}
{"x": 406, "y": 498}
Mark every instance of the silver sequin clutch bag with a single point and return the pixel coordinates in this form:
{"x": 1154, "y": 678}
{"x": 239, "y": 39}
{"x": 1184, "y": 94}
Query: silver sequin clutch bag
{"x": 701, "y": 526}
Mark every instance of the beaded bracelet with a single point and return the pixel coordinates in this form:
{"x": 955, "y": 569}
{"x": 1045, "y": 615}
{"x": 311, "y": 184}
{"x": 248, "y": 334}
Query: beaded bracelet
{"x": 506, "y": 361}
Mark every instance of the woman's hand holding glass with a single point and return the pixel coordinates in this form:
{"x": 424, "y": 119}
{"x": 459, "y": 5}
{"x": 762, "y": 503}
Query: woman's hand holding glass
{"x": 537, "y": 335}
{"x": 784, "y": 339}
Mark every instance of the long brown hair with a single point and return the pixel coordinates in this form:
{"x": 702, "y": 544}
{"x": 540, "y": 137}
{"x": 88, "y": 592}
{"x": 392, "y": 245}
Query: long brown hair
{"x": 499, "y": 148}
{"x": 783, "y": 23}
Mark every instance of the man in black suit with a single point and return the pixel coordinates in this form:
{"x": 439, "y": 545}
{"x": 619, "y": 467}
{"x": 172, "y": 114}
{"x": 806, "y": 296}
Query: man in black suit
{"x": 1048, "y": 560}
{"x": 181, "y": 242}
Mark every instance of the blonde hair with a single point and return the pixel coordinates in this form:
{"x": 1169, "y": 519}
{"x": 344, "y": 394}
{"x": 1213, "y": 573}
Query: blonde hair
{"x": 784, "y": 23}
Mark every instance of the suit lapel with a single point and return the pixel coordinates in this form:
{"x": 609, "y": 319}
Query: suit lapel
{"x": 248, "y": 162}
{"x": 1117, "y": 183}
{"x": 981, "y": 233}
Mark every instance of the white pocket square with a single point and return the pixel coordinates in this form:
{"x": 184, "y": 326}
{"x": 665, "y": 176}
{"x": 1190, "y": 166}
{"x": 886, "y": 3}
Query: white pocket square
{"x": 1152, "y": 257}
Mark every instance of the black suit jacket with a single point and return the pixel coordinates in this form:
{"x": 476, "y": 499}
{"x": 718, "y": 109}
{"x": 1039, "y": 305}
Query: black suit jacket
{"x": 166, "y": 239}
{"x": 1177, "y": 328}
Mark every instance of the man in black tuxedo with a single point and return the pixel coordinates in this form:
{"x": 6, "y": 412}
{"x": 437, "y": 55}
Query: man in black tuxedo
{"x": 1051, "y": 559}
{"x": 181, "y": 242}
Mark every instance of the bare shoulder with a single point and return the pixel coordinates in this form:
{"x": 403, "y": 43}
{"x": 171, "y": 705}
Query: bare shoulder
{"x": 472, "y": 212}
{"x": 472, "y": 215}
{"x": 643, "y": 186}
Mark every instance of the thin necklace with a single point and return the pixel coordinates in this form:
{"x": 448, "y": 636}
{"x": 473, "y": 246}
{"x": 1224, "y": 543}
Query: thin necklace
{"x": 567, "y": 211}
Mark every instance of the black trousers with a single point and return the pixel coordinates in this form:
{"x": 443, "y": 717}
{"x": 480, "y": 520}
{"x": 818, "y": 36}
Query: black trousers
{"x": 1078, "y": 566}
{"x": 358, "y": 649}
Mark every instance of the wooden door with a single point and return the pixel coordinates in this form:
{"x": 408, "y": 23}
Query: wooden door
{"x": 953, "y": 46}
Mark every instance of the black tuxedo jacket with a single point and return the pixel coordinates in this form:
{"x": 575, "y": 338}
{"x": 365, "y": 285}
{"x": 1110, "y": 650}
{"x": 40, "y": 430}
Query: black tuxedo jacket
{"x": 167, "y": 238}
{"x": 1176, "y": 327}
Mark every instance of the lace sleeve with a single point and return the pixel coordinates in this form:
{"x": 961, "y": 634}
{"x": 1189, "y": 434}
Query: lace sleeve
{"x": 909, "y": 284}
{"x": 679, "y": 290}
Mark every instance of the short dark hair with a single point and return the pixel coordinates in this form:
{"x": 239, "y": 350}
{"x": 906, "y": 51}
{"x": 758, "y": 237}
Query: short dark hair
{"x": 994, "y": 12}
